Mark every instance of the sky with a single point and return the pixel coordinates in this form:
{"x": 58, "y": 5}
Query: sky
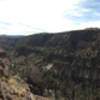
{"x": 24, "y": 17}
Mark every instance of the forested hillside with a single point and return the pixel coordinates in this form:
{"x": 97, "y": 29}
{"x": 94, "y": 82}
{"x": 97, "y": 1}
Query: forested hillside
{"x": 61, "y": 65}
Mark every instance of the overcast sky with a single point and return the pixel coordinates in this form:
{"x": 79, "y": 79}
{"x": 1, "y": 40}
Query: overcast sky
{"x": 19, "y": 17}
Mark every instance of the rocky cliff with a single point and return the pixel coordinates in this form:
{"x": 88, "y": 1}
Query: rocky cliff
{"x": 13, "y": 87}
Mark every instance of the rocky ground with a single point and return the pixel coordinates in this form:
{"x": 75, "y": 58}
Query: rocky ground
{"x": 12, "y": 87}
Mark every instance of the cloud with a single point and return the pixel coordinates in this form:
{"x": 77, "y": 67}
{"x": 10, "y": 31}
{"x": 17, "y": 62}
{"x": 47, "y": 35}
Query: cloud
{"x": 35, "y": 15}
{"x": 32, "y": 16}
{"x": 85, "y": 11}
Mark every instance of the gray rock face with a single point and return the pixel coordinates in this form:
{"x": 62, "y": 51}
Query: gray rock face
{"x": 4, "y": 63}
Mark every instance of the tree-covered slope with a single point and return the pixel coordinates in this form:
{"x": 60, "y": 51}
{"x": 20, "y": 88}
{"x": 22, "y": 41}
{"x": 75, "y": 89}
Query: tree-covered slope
{"x": 67, "y": 63}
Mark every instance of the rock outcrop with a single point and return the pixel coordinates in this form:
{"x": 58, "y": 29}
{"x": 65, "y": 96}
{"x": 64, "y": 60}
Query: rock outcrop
{"x": 4, "y": 63}
{"x": 11, "y": 87}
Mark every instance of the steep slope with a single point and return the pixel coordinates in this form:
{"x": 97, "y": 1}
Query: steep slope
{"x": 12, "y": 87}
{"x": 66, "y": 64}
